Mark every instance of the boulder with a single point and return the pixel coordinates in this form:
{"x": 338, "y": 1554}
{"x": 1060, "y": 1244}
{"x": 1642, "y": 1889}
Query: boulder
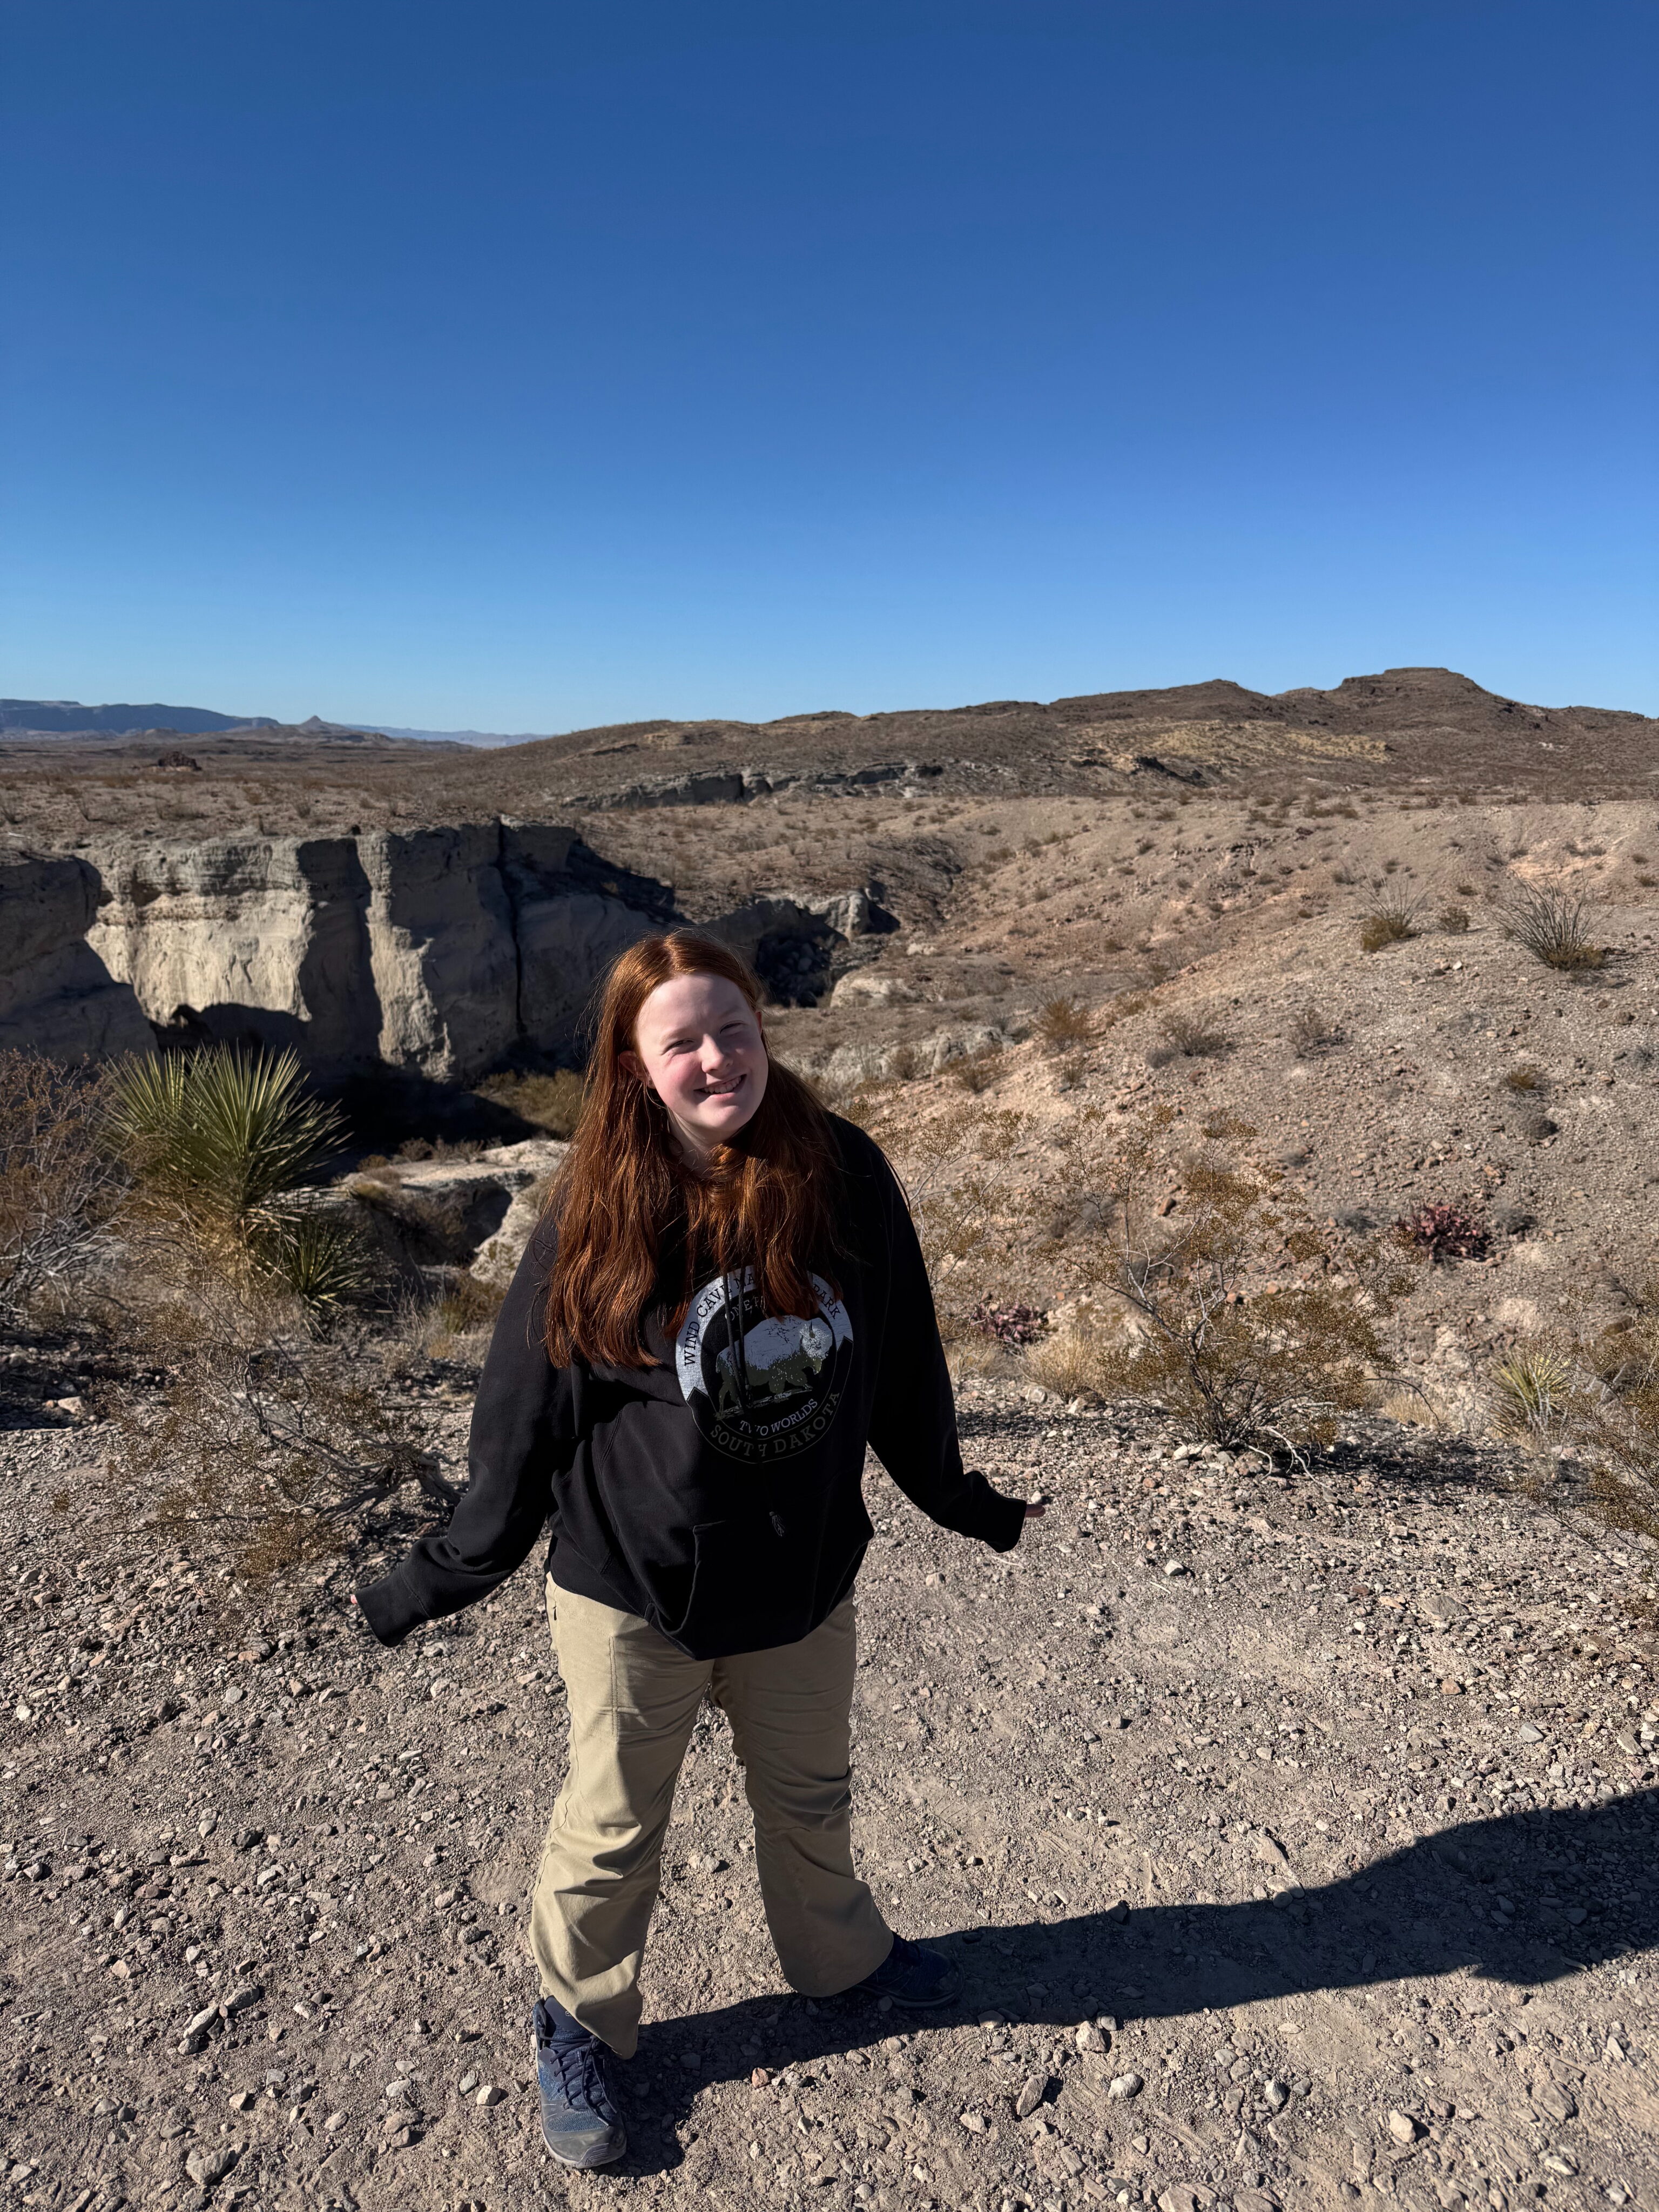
{"x": 433, "y": 1214}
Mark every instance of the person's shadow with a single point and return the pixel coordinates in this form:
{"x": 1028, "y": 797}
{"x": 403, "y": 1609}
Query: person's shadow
{"x": 1523, "y": 1899}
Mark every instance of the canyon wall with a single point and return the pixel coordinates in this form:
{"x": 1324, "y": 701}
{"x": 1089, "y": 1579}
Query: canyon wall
{"x": 57, "y": 996}
{"x": 439, "y": 953}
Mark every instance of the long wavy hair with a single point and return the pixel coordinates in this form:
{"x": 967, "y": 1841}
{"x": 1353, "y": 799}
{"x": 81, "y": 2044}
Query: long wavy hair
{"x": 635, "y": 1220}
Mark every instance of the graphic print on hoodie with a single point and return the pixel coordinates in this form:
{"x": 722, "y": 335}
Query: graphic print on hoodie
{"x": 762, "y": 1385}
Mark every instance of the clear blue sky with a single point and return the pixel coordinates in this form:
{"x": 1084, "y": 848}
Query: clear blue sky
{"x": 522, "y": 366}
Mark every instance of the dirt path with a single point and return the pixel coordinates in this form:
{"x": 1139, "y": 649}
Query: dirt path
{"x": 1297, "y": 1841}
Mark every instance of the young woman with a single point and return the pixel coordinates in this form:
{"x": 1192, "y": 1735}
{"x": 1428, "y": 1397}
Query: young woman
{"x": 723, "y": 1305}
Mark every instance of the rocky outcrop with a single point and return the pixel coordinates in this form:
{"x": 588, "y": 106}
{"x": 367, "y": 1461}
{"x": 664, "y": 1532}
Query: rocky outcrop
{"x": 449, "y": 1213}
{"x": 57, "y": 996}
{"x": 738, "y": 787}
{"x": 435, "y": 953}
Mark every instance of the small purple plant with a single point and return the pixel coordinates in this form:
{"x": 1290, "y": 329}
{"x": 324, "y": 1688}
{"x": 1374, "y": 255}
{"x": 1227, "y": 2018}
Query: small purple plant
{"x": 1444, "y": 1232}
{"x": 1014, "y": 1325}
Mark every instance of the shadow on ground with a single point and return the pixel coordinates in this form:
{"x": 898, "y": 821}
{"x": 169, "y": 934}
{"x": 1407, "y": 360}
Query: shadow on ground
{"x": 1430, "y": 1910}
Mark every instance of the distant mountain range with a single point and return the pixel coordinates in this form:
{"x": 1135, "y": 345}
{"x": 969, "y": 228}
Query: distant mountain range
{"x": 69, "y": 718}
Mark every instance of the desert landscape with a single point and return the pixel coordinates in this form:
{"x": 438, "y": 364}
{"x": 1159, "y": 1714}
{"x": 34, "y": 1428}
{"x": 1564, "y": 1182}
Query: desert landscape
{"x": 1288, "y": 1797}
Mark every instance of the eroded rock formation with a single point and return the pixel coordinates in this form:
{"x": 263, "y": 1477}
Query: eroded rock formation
{"x": 57, "y": 995}
{"x": 439, "y": 953}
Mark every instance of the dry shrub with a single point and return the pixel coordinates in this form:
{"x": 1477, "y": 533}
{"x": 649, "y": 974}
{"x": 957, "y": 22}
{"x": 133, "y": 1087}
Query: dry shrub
{"x": 1069, "y": 1362}
{"x": 1232, "y": 1358}
{"x": 979, "y": 1071}
{"x": 1616, "y": 1414}
{"x": 1552, "y": 924}
{"x": 1524, "y": 1079}
{"x": 1593, "y": 1390}
{"x": 61, "y": 1189}
{"x": 1455, "y": 920}
{"x": 1062, "y": 1022}
{"x": 1313, "y": 1030}
{"x": 1191, "y": 1039}
{"x": 1392, "y": 918}
{"x": 265, "y": 1441}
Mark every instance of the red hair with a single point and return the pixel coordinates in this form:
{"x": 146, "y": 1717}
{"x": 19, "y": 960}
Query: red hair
{"x": 635, "y": 1221}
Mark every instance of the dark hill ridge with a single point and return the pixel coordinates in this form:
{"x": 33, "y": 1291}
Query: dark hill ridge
{"x": 69, "y": 718}
{"x": 1414, "y": 721}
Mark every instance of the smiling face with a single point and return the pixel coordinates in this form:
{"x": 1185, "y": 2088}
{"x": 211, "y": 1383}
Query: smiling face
{"x": 698, "y": 1046}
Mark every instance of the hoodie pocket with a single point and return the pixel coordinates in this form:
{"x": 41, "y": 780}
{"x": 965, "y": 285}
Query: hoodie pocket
{"x": 748, "y": 1592}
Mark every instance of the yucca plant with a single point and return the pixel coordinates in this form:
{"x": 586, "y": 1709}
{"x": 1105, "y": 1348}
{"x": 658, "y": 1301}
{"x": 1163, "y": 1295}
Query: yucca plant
{"x": 1533, "y": 1388}
{"x": 217, "y": 1141}
{"x": 221, "y": 1135}
{"x": 322, "y": 1263}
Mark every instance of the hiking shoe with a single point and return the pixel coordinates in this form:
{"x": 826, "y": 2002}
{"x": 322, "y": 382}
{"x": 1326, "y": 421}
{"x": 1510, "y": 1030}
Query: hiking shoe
{"x": 914, "y": 1975}
{"x": 581, "y": 2123}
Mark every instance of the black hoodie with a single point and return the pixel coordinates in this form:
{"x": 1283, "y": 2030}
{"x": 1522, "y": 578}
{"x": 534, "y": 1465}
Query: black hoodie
{"x": 719, "y": 1493}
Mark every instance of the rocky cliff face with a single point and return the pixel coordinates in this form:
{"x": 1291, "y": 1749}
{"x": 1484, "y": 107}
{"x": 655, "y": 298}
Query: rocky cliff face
{"x": 57, "y": 995}
{"x": 439, "y": 953}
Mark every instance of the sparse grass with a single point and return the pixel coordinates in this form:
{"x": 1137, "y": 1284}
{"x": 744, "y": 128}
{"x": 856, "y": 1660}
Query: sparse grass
{"x": 551, "y": 1102}
{"x": 1229, "y": 1358}
{"x": 1392, "y": 918}
{"x": 1524, "y": 1078}
{"x": 1313, "y": 1030}
{"x": 1063, "y": 1022}
{"x": 1552, "y": 925}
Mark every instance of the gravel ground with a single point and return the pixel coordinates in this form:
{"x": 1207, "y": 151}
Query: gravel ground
{"x": 1295, "y": 1839}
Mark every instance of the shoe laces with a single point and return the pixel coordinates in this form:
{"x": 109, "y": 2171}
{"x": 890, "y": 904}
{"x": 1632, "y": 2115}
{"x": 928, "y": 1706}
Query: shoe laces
{"x": 585, "y": 2073}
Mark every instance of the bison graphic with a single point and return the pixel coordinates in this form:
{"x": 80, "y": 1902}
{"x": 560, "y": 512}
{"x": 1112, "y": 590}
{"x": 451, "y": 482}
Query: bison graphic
{"x": 782, "y": 1358}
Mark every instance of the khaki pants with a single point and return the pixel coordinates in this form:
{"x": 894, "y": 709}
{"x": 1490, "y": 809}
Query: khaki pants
{"x": 634, "y": 1698}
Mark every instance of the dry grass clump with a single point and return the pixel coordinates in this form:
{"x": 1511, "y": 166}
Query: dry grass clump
{"x": 1393, "y": 917}
{"x": 1062, "y": 1022}
{"x": 979, "y": 1071}
{"x": 1524, "y": 1079}
{"x": 553, "y": 1102}
{"x": 1552, "y": 925}
{"x": 1455, "y": 920}
{"x": 1069, "y": 1362}
{"x": 1191, "y": 1039}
